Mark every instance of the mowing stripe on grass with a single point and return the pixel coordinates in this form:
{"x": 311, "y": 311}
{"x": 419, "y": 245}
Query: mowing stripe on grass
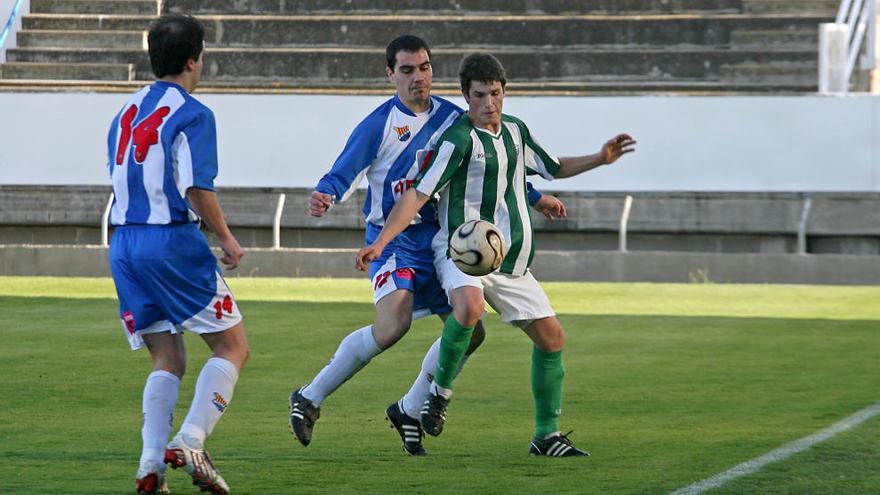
{"x": 782, "y": 453}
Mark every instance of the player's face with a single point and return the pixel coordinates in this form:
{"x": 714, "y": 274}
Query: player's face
{"x": 484, "y": 104}
{"x": 412, "y": 76}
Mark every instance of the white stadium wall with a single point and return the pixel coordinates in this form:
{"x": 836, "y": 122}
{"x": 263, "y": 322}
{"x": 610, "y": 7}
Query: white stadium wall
{"x": 742, "y": 143}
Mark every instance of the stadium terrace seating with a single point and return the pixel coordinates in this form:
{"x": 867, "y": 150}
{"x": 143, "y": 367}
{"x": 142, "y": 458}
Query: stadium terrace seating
{"x": 546, "y": 45}
{"x": 696, "y": 222}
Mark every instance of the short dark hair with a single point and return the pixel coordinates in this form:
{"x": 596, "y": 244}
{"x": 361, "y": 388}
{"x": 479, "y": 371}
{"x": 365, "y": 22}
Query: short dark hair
{"x": 406, "y": 43}
{"x": 482, "y": 67}
{"x": 173, "y": 39}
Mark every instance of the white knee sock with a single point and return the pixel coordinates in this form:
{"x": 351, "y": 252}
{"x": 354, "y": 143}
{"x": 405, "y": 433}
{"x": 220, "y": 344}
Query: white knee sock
{"x": 213, "y": 394}
{"x": 160, "y": 397}
{"x": 411, "y": 403}
{"x": 354, "y": 352}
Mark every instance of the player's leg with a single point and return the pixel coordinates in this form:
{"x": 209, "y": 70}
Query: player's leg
{"x": 180, "y": 273}
{"x": 214, "y": 390}
{"x": 144, "y": 322}
{"x": 393, "y": 296}
{"x": 548, "y": 373}
{"x": 159, "y": 400}
{"x": 405, "y": 413}
{"x": 466, "y": 296}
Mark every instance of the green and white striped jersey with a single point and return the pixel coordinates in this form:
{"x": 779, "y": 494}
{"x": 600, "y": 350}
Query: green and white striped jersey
{"x": 483, "y": 175}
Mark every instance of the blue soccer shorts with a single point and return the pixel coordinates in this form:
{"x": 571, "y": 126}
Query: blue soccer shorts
{"x": 407, "y": 262}
{"x": 167, "y": 280}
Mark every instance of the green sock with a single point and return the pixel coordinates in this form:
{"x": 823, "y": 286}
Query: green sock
{"x": 453, "y": 344}
{"x": 547, "y": 375}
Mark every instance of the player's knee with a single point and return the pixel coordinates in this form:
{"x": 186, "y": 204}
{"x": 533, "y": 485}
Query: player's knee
{"x": 391, "y": 332}
{"x": 468, "y": 313}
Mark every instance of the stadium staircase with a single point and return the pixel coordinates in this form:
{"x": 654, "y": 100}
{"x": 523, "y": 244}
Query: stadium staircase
{"x": 548, "y": 46}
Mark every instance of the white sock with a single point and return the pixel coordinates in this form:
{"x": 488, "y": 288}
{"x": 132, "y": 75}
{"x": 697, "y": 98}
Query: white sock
{"x": 160, "y": 397}
{"x": 212, "y": 396}
{"x": 354, "y": 352}
{"x": 411, "y": 403}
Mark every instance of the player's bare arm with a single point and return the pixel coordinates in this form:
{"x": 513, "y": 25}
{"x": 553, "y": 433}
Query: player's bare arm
{"x": 319, "y": 203}
{"x": 398, "y": 220}
{"x": 611, "y": 151}
{"x": 551, "y": 207}
{"x": 205, "y": 204}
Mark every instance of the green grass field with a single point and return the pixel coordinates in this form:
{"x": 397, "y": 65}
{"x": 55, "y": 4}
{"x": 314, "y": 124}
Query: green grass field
{"x": 666, "y": 385}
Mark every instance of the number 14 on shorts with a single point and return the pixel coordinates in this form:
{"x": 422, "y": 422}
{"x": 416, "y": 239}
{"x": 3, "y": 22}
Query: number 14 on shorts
{"x": 221, "y": 306}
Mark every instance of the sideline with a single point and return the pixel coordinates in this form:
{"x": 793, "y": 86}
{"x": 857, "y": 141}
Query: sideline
{"x": 782, "y": 453}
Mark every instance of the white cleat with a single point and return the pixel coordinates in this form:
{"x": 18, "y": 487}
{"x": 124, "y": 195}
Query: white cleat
{"x": 199, "y": 466}
{"x": 150, "y": 479}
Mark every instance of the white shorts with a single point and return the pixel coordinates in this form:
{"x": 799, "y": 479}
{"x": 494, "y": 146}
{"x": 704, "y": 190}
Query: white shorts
{"x": 518, "y": 299}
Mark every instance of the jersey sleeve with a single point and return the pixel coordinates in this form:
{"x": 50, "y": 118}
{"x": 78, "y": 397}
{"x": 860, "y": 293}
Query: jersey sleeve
{"x": 533, "y": 194}
{"x": 439, "y": 165}
{"x": 195, "y": 153}
{"x": 537, "y": 161}
{"x": 359, "y": 153}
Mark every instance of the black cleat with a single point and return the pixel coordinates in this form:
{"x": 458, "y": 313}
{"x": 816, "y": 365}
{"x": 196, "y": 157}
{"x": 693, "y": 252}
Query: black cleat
{"x": 303, "y": 414}
{"x": 410, "y": 430}
{"x": 433, "y": 415}
{"x": 556, "y": 446}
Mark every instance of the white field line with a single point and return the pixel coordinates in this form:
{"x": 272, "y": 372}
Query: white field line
{"x": 782, "y": 453}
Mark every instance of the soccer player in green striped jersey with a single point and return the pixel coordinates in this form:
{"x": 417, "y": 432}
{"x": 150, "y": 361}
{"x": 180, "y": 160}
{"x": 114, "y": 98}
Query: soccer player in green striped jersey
{"x": 478, "y": 166}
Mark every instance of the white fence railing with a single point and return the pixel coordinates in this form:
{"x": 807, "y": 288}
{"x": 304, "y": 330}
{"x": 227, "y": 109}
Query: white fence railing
{"x": 851, "y": 39}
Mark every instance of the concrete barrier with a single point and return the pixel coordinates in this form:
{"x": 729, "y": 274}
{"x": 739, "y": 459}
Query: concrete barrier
{"x": 593, "y": 266}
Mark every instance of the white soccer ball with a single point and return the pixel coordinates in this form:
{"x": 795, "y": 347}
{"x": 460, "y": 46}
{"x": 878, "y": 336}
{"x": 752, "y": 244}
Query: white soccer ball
{"x": 477, "y": 247}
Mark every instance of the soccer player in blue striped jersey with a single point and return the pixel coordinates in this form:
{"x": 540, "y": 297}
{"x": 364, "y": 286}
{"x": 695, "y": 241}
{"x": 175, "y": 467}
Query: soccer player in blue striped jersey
{"x": 479, "y": 166}
{"x": 162, "y": 153}
{"x": 382, "y": 149}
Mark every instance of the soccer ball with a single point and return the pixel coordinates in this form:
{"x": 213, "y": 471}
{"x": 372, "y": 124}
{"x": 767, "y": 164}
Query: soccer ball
{"x": 477, "y": 247}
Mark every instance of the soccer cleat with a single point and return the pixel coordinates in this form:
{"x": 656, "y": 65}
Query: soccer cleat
{"x": 199, "y": 466}
{"x": 150, "y": 479}
{"x": 303, "y": 414}
{"x": 433, "y": 414}
{"x": 556, "y": 446}
{"x": 410, "y": 430}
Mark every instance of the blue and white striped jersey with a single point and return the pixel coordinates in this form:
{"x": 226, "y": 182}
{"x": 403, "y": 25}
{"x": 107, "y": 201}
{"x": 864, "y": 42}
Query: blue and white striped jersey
{"x": 161, "y": 143}
{"x": 383, "y": 148}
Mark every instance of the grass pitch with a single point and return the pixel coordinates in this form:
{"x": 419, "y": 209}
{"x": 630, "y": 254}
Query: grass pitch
{"x": 666, "y": 385}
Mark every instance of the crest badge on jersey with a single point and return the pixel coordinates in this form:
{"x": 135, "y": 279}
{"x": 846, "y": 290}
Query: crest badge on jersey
{"x": 403, "y": 133}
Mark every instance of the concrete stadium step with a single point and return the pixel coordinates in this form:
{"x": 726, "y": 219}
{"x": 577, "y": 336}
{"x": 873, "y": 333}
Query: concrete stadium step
{"x": 775, "y": 38}
{"x": 32, "y": 38}
{"x": 780, "y": 73}
{"x": 353, "y": 65}
{"x": 448, "y": 31}
{"x": 83, "y": 72}
{"x": 469, "y": 7}
{"x": 825, "y": 7}
{"x": 117, "y": 7}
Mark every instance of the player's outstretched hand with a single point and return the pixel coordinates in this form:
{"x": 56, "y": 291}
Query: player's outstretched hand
{"x": 232, "y": 252}
{"x": 319, "y": 203}
{"x": 617, "y": 147}
{"x": 551, "y": 207}
{"x": 366, "y": 255}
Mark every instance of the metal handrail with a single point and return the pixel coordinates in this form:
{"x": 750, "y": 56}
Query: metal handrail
{"x": 802, "y": 225}
{"x": 276, "y": 224}
{"x": 105, "y": 222}
{"x": 860, "y": 19}
{"x": 624, "y": 222}
{"x": 9, "y": 23}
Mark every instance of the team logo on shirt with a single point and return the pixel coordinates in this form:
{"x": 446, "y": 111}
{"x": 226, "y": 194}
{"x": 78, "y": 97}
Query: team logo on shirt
{"x": 219, "y": 402}
{"x": 403, "y": 133}
{"x": 128, "y": 322}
